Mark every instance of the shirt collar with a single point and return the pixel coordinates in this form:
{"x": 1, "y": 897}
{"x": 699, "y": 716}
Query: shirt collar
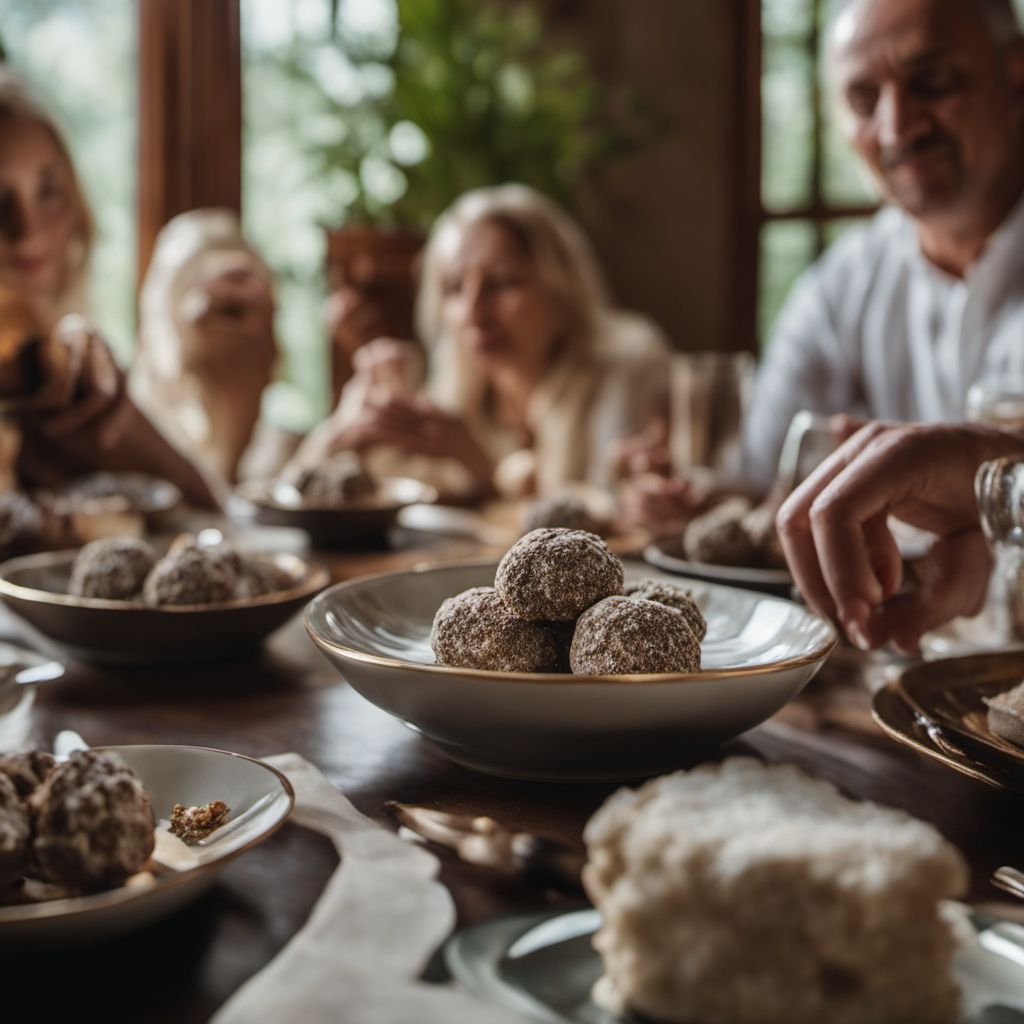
{"x": 1005, "y": 239}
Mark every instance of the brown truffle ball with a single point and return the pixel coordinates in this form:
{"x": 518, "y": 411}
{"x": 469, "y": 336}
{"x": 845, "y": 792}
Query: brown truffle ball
{"x": 114, "y": 568}
{"x": 631, "y": 636}
{"x": 566, "y": 511}
{"x": 92, "y": 821}
{"x": 191, "y": 574}
{"x": 759, "y": 523}
{"x": 22, "y": 521}
{"x": 675, "y": 597}
{"x": 27, "y": 769}
{"x": 335, "y": 482}
{"x": 14, "y": 833}
{"x": 552, "y": 575}
{"x": 719, "y": 536}
{"x": 258, "y": 576}
{"x": 474, "y": 629}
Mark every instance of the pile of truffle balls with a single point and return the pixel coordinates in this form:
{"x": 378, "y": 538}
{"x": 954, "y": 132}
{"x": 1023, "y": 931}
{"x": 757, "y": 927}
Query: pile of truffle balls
{"x": 558, "y": 604}
{"x": 84, "y": 824}
{"x": 129, "y": 569}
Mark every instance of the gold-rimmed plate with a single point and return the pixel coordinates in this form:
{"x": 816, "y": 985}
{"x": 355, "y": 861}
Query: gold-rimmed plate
{"x": 35, "y": 587}
{"x": 260, "y": 798}
{"x": 951, "y": 693}
{"x": 907, "y": 726}
{"x": 759, "y": 652}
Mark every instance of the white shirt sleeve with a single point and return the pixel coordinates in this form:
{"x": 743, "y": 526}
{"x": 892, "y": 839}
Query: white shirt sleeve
{"x": 806, "y": 366}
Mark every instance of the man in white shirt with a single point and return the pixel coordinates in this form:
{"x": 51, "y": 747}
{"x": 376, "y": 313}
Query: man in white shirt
{"x": 902, "y": 315}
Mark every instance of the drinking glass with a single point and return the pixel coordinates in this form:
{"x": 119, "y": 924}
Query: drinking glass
{"x": 996, "y": 402}
{"x": 709, "y": 394}
{"x": 999, "y": 488}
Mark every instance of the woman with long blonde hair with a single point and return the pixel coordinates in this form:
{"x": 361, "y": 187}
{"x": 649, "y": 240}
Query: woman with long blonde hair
{"x": 533, "y": 375}
{"x": 84, "y": 421}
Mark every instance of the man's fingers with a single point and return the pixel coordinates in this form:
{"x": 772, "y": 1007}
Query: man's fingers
{"x": 951, "y": 580}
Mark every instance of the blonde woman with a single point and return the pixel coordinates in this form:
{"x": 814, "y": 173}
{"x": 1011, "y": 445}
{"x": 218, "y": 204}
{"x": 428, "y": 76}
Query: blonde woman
{"x": 532, "y": 376}
{"x": 46, "y": 233}
{"x": 206, "y": 338}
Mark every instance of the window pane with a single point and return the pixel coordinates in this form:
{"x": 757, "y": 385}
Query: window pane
{"x": 835, "y": 228}
{"x": 790, "y": 18}
{"x": 787, "y": 247}
{"x": 80, "y": 56}
{"x": 787, "y": 125}
{"x": 290, "y": 70}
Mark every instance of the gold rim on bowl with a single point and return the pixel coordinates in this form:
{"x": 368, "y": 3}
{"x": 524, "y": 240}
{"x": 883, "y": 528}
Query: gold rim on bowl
{"x": 819, "y": 653}
{"x": 316, "y": 578}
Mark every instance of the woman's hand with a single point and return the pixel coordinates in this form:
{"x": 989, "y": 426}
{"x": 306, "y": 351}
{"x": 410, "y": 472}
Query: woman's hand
{"x": 409, "y": 422}
{"x": 91, "y": 410}
{"x": 843, "y": 557}
{"x": 231, "y": 315}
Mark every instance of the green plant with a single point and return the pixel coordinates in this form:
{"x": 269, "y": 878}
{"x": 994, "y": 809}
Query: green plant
{"x": 463, "y": 93}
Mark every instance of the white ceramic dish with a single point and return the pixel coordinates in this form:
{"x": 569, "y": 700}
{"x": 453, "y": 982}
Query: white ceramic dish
{"x": 667, "y": 555}
{"x": 259, "y": 796}
{"x": 544, "y": 966}
{"x": 759, "y": 652}
{"x": 123, "y": 632}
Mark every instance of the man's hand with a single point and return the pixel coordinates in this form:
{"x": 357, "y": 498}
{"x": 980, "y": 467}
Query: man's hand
{"x": 843, "y": 556}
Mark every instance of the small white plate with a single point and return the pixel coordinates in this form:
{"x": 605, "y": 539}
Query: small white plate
{"x": 544, "y": 966}
{"x": 260, "y": 798}
{"x": 667, "y": 555}
{"x": 759, "y": 652}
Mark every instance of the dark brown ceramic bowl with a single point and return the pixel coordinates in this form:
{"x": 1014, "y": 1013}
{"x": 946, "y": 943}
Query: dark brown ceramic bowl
{"x": 359, "y": 524}
{"x": 35, "y": 588}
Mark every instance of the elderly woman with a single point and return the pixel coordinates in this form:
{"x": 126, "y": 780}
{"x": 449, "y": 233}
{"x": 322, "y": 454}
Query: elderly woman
{"x": 532, "y": 376}
{"x": 207, "y": 348}
{"x": 76, "y": 417}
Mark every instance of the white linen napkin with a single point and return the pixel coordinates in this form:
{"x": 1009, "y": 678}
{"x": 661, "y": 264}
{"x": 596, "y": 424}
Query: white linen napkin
{"x": 378, "y": 920}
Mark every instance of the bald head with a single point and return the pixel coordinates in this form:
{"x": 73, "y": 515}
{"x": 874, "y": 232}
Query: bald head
{"x": 932, "y": 98}
{"x": 1000, "y": 16}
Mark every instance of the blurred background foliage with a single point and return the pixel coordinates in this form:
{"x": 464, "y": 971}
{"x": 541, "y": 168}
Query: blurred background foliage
{"x": 384, "y": 111}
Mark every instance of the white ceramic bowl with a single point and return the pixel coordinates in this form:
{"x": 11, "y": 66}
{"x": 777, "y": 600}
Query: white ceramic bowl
{"x": 759, "y": 652}
{"x": 259, "y": 796}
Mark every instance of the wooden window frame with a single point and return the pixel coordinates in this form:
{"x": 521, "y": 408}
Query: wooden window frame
{"x": 754, "y": 216}
{"x": 189, "y": 112}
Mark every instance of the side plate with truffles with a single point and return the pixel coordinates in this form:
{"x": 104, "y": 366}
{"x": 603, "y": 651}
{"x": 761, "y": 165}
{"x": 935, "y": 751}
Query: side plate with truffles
{"x": 118, "y": 601}
{"x": 49, "y": 897}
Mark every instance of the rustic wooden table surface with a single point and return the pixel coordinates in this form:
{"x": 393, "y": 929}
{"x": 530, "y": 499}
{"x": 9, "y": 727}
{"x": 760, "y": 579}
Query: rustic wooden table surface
{"x": 288, "y": 698}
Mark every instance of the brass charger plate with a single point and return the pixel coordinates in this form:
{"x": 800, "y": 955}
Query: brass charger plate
{"x": 903, "y": 723}
{"x": 950, "y": 692}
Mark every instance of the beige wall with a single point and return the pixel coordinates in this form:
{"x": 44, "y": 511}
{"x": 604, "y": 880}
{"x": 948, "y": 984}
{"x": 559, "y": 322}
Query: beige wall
{"x": 664, "y": 221}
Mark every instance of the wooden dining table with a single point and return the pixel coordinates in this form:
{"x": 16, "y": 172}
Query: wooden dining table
{"x": 287, "y": 697}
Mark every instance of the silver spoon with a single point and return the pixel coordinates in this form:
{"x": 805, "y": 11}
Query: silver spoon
{"x": 1009, "y": 880}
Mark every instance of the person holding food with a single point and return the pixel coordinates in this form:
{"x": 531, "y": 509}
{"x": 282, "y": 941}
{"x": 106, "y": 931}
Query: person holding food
{"x": 207, "y": 347}
{"x": 63, "y": 394}
{"x": 531, "y": 374}
{"x": 835, "y": 529}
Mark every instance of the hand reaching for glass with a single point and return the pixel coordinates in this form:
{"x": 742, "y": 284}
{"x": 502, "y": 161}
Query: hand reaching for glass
{"x": 843, "y": 556}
